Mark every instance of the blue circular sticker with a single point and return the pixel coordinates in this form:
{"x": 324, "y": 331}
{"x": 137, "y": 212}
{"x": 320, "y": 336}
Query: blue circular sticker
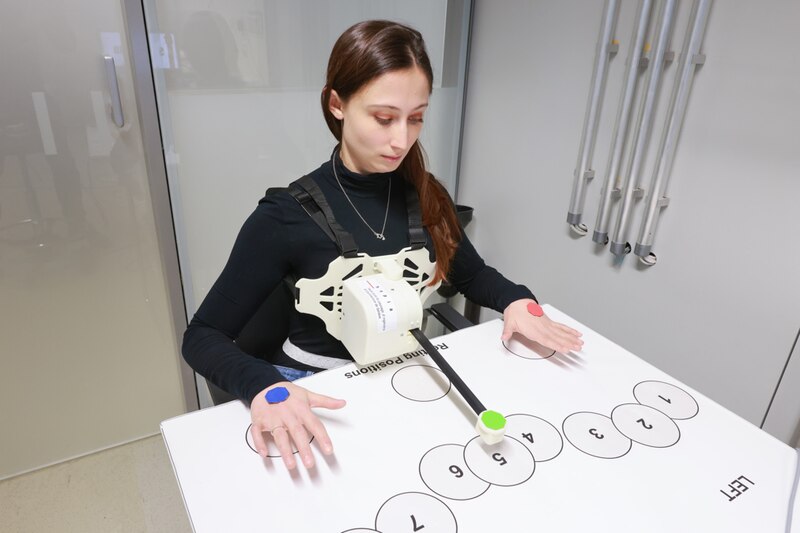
{"x": 277, "y": 395}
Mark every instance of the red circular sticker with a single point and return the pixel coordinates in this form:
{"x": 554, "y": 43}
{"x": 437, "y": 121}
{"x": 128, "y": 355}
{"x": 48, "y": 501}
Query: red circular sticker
{"x": 535, "y": 309}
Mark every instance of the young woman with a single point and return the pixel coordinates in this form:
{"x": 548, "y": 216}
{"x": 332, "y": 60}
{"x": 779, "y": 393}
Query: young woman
{"x": 379, "y": 80}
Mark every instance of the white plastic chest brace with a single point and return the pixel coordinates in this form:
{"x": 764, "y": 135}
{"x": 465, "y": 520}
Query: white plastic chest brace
{"x": 371, "y": 303}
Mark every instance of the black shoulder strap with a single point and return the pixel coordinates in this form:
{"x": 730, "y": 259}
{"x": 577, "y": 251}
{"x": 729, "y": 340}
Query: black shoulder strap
{"x": 416, "y": 235}
{"x": 289, "y": 280}
{"x": 310, "y": 197}
{"x": 313, "y": 201}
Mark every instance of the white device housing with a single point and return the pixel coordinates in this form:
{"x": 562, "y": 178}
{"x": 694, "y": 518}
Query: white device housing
{"x": 377, "y": 314}
{"x": 371, "y": 333}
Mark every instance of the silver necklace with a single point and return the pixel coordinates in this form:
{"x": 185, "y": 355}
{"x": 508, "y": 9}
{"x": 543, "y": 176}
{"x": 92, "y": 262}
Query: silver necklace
{"x": 388, "y": 200}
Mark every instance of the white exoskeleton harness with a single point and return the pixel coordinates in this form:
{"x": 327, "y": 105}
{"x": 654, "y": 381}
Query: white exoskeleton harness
{"x": 368, "y": 303}
{"x": 372, "y": 304}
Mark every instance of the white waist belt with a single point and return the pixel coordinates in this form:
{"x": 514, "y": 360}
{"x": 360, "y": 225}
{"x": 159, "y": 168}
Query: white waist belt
{"x": 311, "y": 359}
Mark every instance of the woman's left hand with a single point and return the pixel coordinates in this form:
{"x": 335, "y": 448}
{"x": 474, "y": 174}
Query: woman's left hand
{"x": 541, "y": 329}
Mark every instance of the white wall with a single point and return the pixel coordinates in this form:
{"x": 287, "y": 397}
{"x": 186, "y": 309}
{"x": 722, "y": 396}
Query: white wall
{"x": 721, "y": 309}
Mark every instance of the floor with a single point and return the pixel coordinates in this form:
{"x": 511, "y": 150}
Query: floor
{"x": 129, "y": 488}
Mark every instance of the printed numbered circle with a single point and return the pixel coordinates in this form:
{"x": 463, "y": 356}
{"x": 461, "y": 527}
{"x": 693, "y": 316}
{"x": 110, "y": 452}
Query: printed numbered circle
{"x": 415, "y": 511}
{"x": 595, "y": 434}
{"x": 506, "y": 463}
{"x": 445, "y": 472}
{"x": 645, "y": 425}
{"x": 526, "y": 348}
{"x": 538, "y": 435}
{"x": 673, "y": 401}
{"x": 272, "y": 450}
{"x": 421, "y": 383}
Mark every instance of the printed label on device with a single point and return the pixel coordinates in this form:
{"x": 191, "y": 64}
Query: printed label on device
{"x": 383, "y": 303}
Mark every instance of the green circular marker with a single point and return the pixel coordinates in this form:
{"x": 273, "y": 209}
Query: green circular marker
{"x": 493, "y": 420}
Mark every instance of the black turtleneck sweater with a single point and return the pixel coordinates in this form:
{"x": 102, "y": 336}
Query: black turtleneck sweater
{"x": 280, "y": 238}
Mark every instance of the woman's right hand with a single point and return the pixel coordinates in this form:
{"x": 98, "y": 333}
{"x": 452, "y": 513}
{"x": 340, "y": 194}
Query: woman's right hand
{"x": 291, "y": 421}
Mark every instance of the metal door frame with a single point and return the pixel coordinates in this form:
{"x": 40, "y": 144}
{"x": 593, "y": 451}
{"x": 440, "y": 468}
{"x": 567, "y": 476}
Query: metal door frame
{"x": 147, "y": 110}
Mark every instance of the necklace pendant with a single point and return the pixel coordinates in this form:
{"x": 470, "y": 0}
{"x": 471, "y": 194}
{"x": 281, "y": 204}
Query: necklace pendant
{"x": 378, "y": 236}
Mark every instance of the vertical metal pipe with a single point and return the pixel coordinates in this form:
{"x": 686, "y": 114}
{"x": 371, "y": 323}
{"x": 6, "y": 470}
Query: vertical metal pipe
{"x": 589, "y": 134}
{"x": 619, "y": 246}
{"x": 690, "y": 58}
{"x": 611, "y": 184}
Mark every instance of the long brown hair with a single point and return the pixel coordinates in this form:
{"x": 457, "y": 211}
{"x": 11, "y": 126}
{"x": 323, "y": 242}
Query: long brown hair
{"x": 362, "y": 53}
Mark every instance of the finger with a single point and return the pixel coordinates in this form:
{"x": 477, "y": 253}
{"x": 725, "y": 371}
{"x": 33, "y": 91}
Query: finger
{"x": 554, "y": 339}
{"x": 317, "y": 429}
{"x": 508, "y": 330}
{"x": 562, "y": 342}
{"x": 258, "y": 440}
{"x": 281, "y": 437}
{"x": 563, "y": 338}
{"x": 568, "y": 329}
{"x": 571, "y": 337}
{"x": 320, "y": 400}
{"x": 553, "y": 343}
{"x": 300, "y": 438}
{"x": 569, "y": 344}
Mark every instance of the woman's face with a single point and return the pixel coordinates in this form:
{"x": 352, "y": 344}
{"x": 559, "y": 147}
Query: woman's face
{"x": 382, "y": 121}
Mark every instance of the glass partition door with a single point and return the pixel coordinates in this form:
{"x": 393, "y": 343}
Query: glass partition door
{"x": 88, "y": 350}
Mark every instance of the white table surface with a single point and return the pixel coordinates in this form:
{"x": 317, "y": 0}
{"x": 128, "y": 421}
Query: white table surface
{"x": 407, "y": 458}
